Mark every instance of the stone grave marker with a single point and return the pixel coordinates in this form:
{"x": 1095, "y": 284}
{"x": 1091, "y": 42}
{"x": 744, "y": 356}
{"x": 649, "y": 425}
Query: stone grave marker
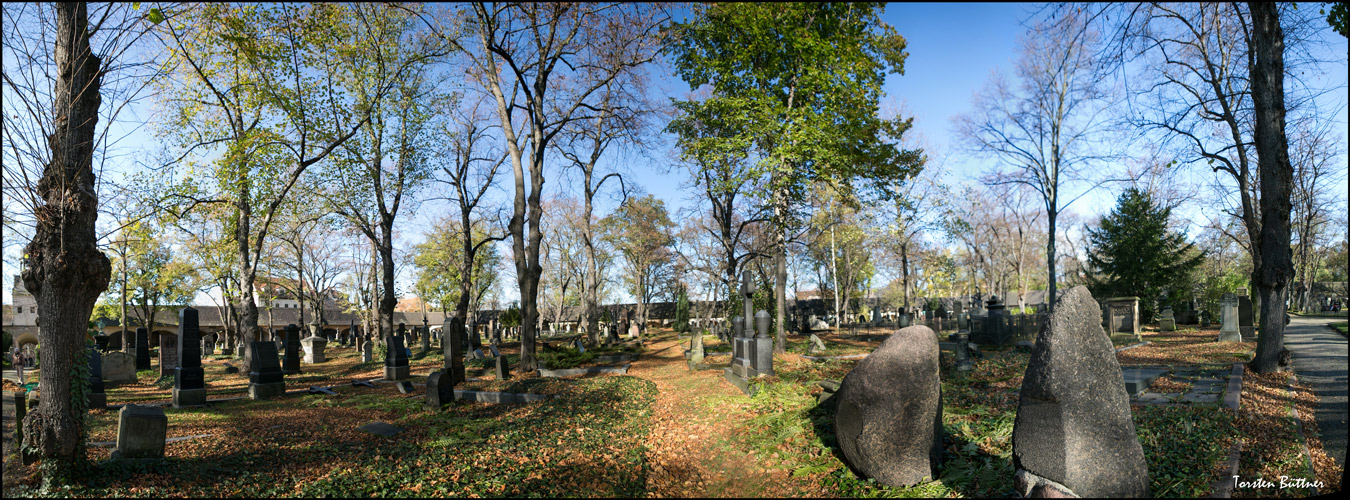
{"x": 314, "y": 349}
{"x": 367, "y": 351}
{"x": 322, "y": 390}
{"x": 189, "y": 385}
{"x": 142, "y": 349}
{"x": 404, "y": 387}
{"x": 231, "y": 369}
{"x": 1246, "y": 316}
{"x": 478, "y": 354}
{"x": 440, "y": 391}
{"x": 140, "y": 432}
{"x": 1228, "y": 329}
{"x": 763, "y": 358}
{"x": 815, "y": 344}
{"x": 396, "y": 360}
{"x": 96, "y": 397}
{"x": 888, "y": 417}
{"x": 1167, "y": 322}
{"x": 1073, "y": 428}
{"x": 119, "y": 368}
{"x": 503, "y": 368}
{"x": 20, "y": 401}
{"x": 208, "y": 345}
{"x": 168, "y": 355}
{"x": 580, "y": 346}
{"x": 290, "y": 365}
{"x": 362, "y": 383}
{"x": 695, "y": 350}
{"x": 495, "y": 353}
{"x": 265, "y": 378}
{"x": 380, "y": 429}
{"x": 452, "y": 348}
{"x": 1123, "y": 315}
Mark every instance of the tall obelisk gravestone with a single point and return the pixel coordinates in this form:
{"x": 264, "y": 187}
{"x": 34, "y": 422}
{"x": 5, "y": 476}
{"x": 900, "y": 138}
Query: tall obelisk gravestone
{"x": 189, "y": 386}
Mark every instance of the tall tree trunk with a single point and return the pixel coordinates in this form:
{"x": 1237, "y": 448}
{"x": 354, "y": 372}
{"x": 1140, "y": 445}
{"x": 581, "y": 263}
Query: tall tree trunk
{"x": 904, "y": 271}
{"x": 834, "y": 273}
{"x": 66, "y": 272}
{"x": 387, "y": 300}
{"x": 779, "y": 290}
{"x": 592, "y": 279}
{"x": 1276, "y": 176}
{"x": 1050, "y": 214}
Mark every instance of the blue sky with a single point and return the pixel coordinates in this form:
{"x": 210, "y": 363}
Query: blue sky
{"x": 953, "y": 49}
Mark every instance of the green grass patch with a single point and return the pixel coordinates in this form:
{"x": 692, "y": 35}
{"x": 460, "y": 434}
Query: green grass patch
{"x": 1341, "y": 327}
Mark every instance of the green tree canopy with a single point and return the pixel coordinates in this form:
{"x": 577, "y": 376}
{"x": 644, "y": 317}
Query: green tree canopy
{"x": 438, "y": 261}
{"x": 1134, "y": 254}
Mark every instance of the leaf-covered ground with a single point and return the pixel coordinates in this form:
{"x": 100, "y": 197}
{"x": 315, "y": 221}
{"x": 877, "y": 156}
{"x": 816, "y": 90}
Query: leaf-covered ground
{"x": 661, "y": 431}
{"x": 1188, "y": 346}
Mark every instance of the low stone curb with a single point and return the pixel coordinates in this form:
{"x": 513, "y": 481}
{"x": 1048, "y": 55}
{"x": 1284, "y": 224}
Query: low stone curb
{"x": 499, "y": 397}
{"x": 849, "y": 356}
{"x": 1232, "y": 398}
{"x": 1298, "y": 429}
{"x": 113, "y": 444}
{"x": 1223, "y": 488}
{"x": 1132, "y": 346}
{"x": 616, "y": 358}
{"x": 621, "y": 370}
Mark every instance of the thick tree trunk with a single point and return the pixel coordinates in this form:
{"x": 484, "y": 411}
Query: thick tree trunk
{"x": 1276, "y": 177}
{"x": 387, "y": 300}
{"x": 529, "y": 291}
{"x": 66, "y": 272}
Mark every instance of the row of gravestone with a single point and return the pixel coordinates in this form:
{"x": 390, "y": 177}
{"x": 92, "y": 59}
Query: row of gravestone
{"x": 1073, "y": 434}
{"x": 142, "y": 429}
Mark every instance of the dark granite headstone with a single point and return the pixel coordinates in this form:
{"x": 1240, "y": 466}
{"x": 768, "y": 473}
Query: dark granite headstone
{"x": 265, "y": 378}
{"x": 189, "y": 386}
{"x": 290, "y": 365}
{"x": 396, "y": 359}
{"x": 168, "y": 355}
{"x": 453, "y": 350}
{"x": 1246, "y": 317}
{"x": 96, "y": 397}
{"x": 142, "y": 349}
{"x": 440, "y": 391}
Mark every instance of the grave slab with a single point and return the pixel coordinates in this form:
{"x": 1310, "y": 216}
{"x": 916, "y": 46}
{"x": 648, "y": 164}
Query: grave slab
{"x": 380, "y": 429}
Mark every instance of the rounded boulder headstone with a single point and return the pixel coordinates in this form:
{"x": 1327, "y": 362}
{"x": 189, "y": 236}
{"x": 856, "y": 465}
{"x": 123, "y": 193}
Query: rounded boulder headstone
{"x": 1073, "y": 427}
{"x": 889, "y": 416}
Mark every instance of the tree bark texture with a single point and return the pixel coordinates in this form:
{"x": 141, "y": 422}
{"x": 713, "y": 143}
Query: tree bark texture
{"x": 66, "y": 272}
{"x": 1273, "y": 270}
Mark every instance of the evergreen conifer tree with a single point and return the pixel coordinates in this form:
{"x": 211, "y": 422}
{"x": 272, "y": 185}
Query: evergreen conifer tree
{"x": 1133, "y": 254}
{"x": 681, "y": 311}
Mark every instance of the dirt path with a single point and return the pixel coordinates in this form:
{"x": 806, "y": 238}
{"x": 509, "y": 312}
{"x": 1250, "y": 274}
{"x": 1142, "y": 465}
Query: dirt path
{"x": 693, "y": 450}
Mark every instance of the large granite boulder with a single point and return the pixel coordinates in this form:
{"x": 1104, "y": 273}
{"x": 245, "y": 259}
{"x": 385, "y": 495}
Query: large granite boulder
{"x": 1074, "y": 429}
{"x": 889, "y": 416}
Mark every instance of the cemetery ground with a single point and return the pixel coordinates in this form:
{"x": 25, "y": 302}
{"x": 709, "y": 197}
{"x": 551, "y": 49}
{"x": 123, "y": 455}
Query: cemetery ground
{"x": 664, "y": 430}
